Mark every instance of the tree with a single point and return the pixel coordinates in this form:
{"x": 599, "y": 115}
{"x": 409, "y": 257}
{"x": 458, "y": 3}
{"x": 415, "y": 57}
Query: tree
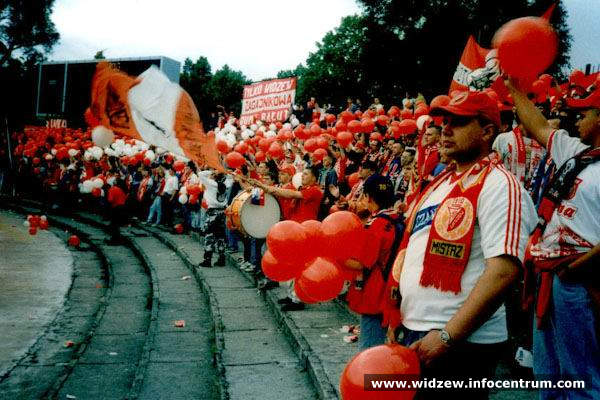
{"x": 417, "y": 44}
{"x": 99, "y": 55}
{"x": 195, "y": 79}
{"x": 25, "y": 28}
{"x": 226, "y": 88}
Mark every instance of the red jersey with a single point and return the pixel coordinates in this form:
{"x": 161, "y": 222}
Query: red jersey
{"x": 366, "y": 293}
{"x": 116, "y": 196}
{"x": 287, "y": 205}
{"x": 307, "y": 207}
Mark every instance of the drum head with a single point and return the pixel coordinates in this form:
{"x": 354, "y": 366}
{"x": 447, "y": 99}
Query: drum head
{"x": 257, "y": 220}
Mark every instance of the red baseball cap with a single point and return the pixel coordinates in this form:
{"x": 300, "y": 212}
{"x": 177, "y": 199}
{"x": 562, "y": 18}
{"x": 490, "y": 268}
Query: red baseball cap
{"x": 471, "y": 104}
{"x": 591, "y": 101}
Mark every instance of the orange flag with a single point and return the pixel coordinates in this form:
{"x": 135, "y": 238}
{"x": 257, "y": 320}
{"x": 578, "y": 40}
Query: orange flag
{"x": 153, "y": 109}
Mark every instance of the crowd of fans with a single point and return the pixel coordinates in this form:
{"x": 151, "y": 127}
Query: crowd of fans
{"x": 374, "y": 162}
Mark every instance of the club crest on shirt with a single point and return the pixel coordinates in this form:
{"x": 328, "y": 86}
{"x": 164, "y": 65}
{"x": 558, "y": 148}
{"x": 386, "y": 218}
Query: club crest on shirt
{"x": 454, "y": 218}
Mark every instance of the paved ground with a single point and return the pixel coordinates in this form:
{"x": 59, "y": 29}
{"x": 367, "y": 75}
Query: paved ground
{"x": 35, "y": 275}
{"x": 147, "y": 323}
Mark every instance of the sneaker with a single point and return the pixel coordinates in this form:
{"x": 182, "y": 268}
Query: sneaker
{"x": 285, "y": 300}
{"x": 293, "y": 307}
{"x": 267, "y": 285}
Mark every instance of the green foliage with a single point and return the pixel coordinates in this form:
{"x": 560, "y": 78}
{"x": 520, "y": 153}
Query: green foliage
{"x": 25, "y": 29}
{"x": 99, "y": 55}
{"x": 208, "y": 90}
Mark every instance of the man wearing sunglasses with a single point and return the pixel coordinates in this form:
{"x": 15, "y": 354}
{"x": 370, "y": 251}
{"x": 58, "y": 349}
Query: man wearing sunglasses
{"x": 565, "y": 249}
{"x": 465, "y": 240}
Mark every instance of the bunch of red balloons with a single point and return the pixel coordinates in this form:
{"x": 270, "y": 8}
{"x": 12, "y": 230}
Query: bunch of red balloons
{"x": 36, "y": 221}
{"x": 312, "y": 252}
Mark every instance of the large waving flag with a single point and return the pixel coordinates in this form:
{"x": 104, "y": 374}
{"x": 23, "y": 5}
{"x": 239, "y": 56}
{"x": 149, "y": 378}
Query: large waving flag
{"x": 478, "y": 68}
{"x": 153, "y": 109}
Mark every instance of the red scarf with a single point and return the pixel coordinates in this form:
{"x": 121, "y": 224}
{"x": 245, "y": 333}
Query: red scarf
{"x": 143, "y": 188}
{"x": 450, "y": 238}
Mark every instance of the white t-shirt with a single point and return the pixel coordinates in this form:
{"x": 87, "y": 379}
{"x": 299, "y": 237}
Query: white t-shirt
{"x": 506, "y": 146}
{"x": 171, "y": 185}
{"x": 211, "y": 193}
{"x": 575, "y": 225}
{"x": 505, "y": 218}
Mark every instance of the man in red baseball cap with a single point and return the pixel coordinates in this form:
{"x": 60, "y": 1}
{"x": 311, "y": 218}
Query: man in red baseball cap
{"x": 464, "y": 242}
{"x": 565, "y": 248}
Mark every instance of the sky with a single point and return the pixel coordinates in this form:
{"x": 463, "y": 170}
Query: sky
{"x": 259, "y": 37}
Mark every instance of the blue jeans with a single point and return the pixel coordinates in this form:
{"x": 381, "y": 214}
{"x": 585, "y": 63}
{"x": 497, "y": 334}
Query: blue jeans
{"x": 155, "y": 209}
{"x": 462, "y": 361}
{"x": 371, "y": 332}
{"x": 567, "y": 345}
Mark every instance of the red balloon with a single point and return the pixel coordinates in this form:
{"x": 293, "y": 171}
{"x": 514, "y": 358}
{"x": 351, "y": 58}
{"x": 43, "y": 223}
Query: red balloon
{"x": 241, "y": 147}
{"x": 311, "y": 145}
{"x": 319, "y": 154}
{"x": 223, "y": 147}
{"x": 407, "y": 126}
{"x": 259, "y": 156}
{"x": 354, "y": 126}
{"x": 194, "y": 190}
{"x": 330, "y": 118}
{"x": 394, "y": 111}
{"x": 382, "y": 120}
{"x": 299, "y": 133}
{"x": 36, "y": 161}
{"x": 322, "y": 280}
{"x": 74, "y": 241}
{"x": 367, "y": 125}
{"x": 179, "y": 166}
{"x": 353, "y": 179}
{"x": 342, "y": 233}
{"x": 315, "y": 129}
{"x": 406, "y": 114}
{"x": 322, "y": 142}
{"x": 32, "y": 230}
{"x": 179, "y": 228}
{"x": 384, "y": 359}
{"x": 314, "y": 237}
{"x": 340, "y": 125}
{"x": 278, "y": 271}
{"x": 347, "y": 116}
{"x": 276, "y": 151}
{"x": 286, "y": 240}
{"x": 344, "y": 139}
{"x": 44, "y": 224}
{"x": 303, "y": 296}
{"x": 526, "y": 46}
{"x": 235, "y": 160}
{"x": 264, "y": 145}
{"x": 96, "y": 192}
{"x": 421, "y": 110}
{"x": 371, "y": 113}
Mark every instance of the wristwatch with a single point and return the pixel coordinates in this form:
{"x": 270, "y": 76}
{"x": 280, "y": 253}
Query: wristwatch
{"x": 445, "y": 338}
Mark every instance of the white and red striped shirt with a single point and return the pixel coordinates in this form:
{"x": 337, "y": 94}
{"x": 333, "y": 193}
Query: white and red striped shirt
{"x": 505, "y": 218}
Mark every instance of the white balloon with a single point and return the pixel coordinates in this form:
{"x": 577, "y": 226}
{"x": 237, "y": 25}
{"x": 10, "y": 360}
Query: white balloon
{"x": 97, "y": 183}
{"x": 87, "y": 186}
{"x": 270, "y": 134}
{"x": 53, "y": 151}
{"x": 87, "y": 156}
{"x": 111, "y": 180}
{"x": 254, "y": 127}
{"x": 297, "y": 180}
{"x": 183, "y": 190}
{"x": 26, "y": 223}
{"x": 244, "y": 127}
{"x": 183, "y": 198}
{"x": 272, "y": 127}
{"x": 97, "y": 152}
{"x": 246, "y": 134}
{"x": 160, "y": 150}
{"x": 43, "y": 218}
{"x": 73, "y": 152}
{"x": 102, "y": 136}
{"x": 262, "y": 128}
{"x": 231, "y": 140}
{"x": 150, "y": 155}
{"x": 287, "y": 125}
{"x": 295, "y": 122}
{"x": 48, "y": 157}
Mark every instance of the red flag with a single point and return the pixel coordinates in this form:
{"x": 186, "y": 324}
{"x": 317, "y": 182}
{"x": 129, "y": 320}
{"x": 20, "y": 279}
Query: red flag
{"x": 548, "y": 14}
{"x": 474, "y": 59}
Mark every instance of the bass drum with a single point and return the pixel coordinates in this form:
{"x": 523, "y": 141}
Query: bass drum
{"x": 250, "y": 219}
